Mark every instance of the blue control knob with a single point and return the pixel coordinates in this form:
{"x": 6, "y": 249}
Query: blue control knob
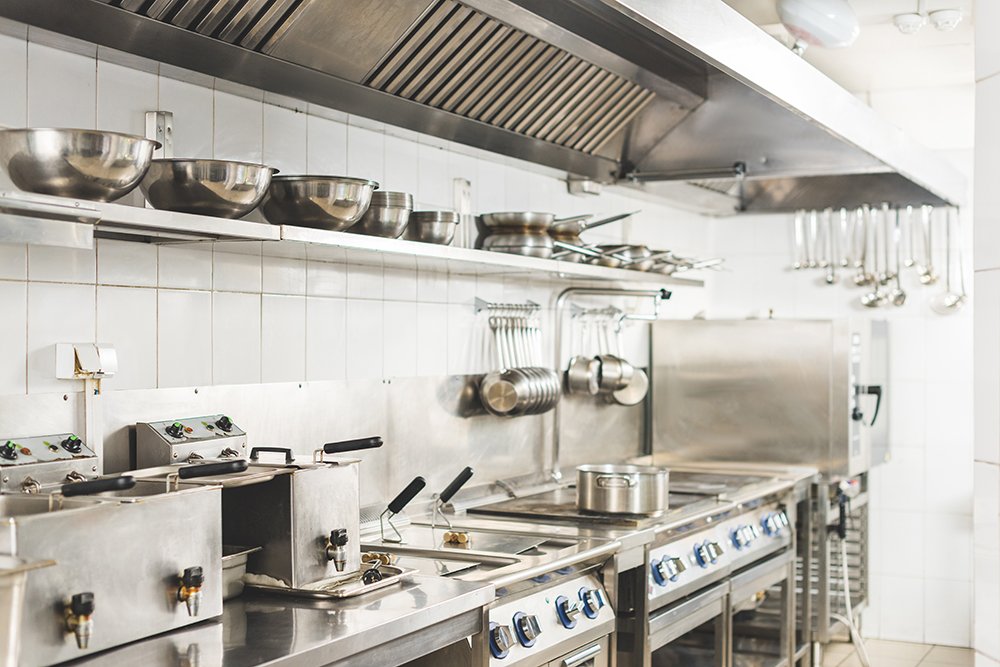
{"x": 567, "y": 611}
{"x": 702, "y": 556}
{"x": 591, "y": 600}
{"x": 527, "y": 629}
{"x": 742, "y": 537}
{"x": 771, "y": 524}
{"x": 659, "y": 572}
{"x": 501, "y": 640}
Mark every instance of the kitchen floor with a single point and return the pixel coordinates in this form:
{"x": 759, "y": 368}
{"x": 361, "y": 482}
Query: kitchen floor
{"x": 899, "y": 654}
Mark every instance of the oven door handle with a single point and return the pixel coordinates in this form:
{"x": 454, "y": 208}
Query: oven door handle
{"x": 583, "y": 656}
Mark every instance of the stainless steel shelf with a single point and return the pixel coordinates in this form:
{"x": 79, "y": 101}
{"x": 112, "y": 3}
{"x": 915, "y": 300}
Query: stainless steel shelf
{"x": 46, "y": 220}
{"x": 406, "y": 254}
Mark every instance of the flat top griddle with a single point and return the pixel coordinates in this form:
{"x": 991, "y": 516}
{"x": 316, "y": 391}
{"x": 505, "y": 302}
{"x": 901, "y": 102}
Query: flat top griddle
{"x": 560, "y": 505}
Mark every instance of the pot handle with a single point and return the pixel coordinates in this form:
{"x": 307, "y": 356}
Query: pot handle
{"x": 406, "y": 495}
{"x": 209, "y": 469}
{"x": 255, "y": 453}
{"x": 98, "y": 486}
{"x": 456, "y": 484}
{"x": 352, "y": 445}
{"x": 614, "y": 481}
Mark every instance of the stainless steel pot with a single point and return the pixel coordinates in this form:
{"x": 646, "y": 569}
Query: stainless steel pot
{"x": 621, "y": 489}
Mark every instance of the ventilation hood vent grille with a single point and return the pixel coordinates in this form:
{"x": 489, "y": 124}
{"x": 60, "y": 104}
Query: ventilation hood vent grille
{"x": 252, "y": 24}
{"x": 460, "y": 60}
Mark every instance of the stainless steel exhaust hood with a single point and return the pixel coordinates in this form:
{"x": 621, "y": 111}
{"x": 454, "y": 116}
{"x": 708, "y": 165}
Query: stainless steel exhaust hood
{"x": 658, "y": 93}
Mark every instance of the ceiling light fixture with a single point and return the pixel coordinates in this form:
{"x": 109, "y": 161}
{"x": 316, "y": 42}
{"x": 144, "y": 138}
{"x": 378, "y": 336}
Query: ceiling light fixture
{"x": 831, "y": 24}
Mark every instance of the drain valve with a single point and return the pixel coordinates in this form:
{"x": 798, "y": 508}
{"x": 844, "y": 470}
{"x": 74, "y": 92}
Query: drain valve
{"x": 189, "y": 591}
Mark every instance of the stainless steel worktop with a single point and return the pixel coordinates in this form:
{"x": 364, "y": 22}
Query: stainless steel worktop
{"x": 400, "y": 623}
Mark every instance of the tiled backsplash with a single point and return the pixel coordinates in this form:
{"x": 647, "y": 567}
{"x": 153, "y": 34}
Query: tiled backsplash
{"x": 231, "y": 313}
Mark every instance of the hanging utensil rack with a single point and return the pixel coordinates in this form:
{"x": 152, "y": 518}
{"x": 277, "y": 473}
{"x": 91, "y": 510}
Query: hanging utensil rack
{"x": 658, "y": 296}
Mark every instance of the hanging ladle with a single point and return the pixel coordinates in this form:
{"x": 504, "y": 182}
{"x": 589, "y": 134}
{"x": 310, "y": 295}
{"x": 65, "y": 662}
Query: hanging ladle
{"x": 950, "y": 301}
{"x": 876, "y": 297}
{"x": 897, "y": 296}
{"x": 927, "y": 274}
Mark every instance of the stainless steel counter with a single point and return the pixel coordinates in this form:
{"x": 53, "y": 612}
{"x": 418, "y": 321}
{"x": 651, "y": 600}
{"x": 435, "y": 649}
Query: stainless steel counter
{"x": 387, "y": 627}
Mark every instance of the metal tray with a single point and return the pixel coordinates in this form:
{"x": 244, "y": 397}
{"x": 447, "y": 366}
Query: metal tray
{"x": 339, "y": 588}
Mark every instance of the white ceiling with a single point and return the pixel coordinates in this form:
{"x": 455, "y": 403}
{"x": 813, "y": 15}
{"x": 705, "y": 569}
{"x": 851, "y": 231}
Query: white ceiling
{"x": 883, "y": 58}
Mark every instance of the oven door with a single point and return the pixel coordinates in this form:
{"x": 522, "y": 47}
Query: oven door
{"x": 597, "y": 654}
{"x": 692, "y": 632}
{"x": 762, "y": 608}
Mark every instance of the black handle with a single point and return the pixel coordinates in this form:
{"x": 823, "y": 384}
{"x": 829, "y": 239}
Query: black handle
{"x": 407, "y": 494}
{"x": 209, "y": 469}
{"x": 665, "y": 294}
{"x": 876, "y": 391}
{"x": 98, "y": 486}
{"x": 869, "y": 390}
{"x": 373, "y": 442}
{"x": 456, "y": 484}
{"x": 193, "y": 577}
{"x": 82, "y": 604}
{"x": 289, "y": 457}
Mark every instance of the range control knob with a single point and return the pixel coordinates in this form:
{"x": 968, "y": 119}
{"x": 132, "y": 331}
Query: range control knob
{"x": 659, "y": 570}
{"x": 742, "y": 537}
{"x": 72, "y": 444}
{"x": 175, "y": 430}
{"x": 9, "y": 450}
{"x": 702, "y": 555}
{"x": 782, "y": 518}
{"x": 567, "y": 611}
{"x": 592, "y": 599}
{"x": 771, "y": 524}
{"x": 714, "y": 551}
{"x": 501, "y": 640}
{"x": 526, "y": 628}
{"x": 224, "y": 423}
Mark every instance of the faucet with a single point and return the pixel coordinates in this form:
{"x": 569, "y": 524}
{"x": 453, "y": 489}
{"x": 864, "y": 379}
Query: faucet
{"x": 79, "y": 618}
{"x": 335, "y": 550}
{"x": 189, "y": 591}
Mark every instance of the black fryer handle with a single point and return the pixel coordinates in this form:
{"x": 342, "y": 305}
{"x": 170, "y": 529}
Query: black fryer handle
{"x": 255, "y": 453}
{"x": 406, "y": 495}
{"x": 98, "y": 486}
{"x": 373, "y": 442}
{"x": 456, "y": 484}
{"x": 209, "y": 469}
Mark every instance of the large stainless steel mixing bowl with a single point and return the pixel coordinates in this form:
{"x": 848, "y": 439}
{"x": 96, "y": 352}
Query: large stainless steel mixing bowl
{"x": 85, "y": 164}
{"x": 222, "y": 188}
{"x": 325, "y": 202}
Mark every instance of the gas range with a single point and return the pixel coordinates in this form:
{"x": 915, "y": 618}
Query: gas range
{"x": 720, "y": 527}
{"x": 550, "y": 603}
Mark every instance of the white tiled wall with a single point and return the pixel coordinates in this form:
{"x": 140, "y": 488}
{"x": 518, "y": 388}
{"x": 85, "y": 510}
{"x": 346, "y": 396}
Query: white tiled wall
{"x": 235, "y": 313}
{"x": 986, "y": 547}
{"x": 922, "y": 501}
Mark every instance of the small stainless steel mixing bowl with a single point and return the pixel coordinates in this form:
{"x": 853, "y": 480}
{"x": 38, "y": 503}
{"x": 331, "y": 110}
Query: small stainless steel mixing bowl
{"x": 324, "y": 202}
{"x": 223, "y": 188}
{"x": 86, "y": 164}
{"x": 387, "y": 216}
{"x": 432, "y": 226}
